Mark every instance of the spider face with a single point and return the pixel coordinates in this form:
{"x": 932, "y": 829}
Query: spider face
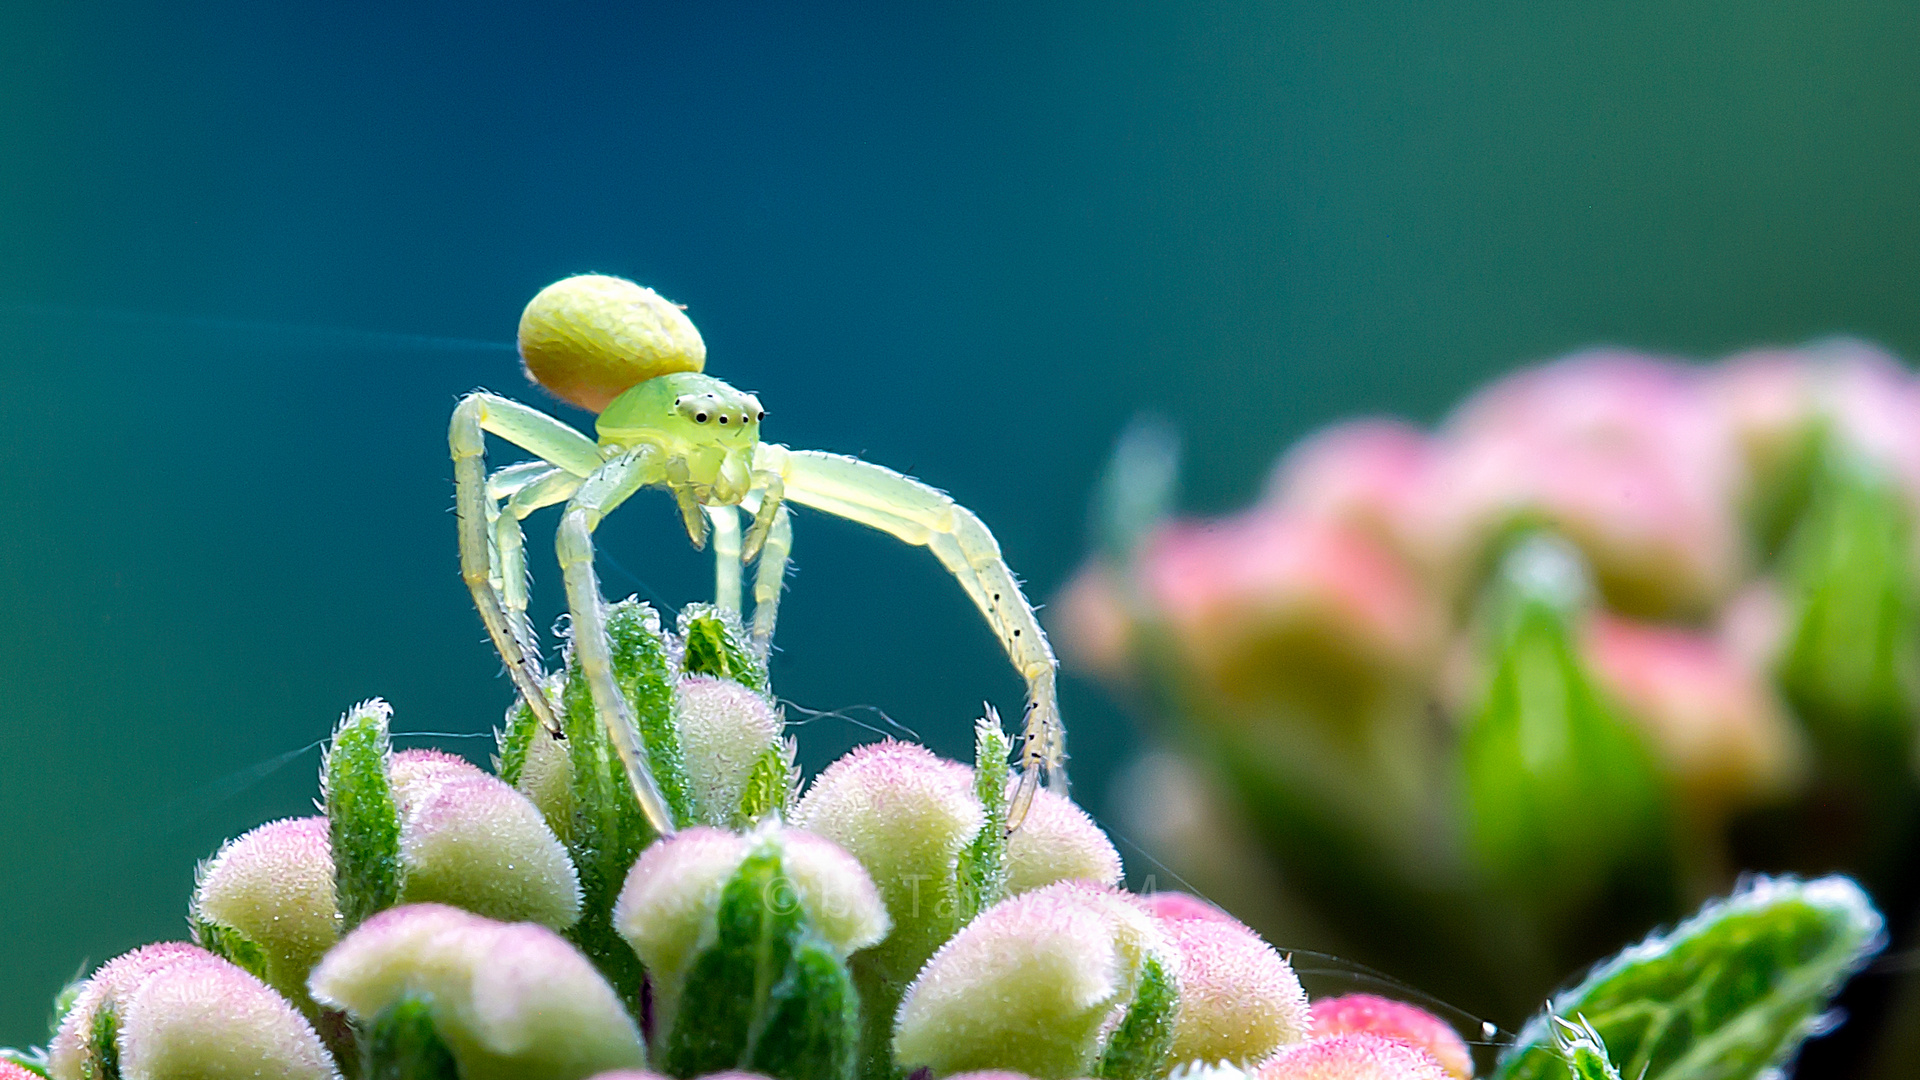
{"x": 695, "y": 418}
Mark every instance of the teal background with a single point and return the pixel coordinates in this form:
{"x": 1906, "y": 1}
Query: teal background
{"x": 965, "y": 241}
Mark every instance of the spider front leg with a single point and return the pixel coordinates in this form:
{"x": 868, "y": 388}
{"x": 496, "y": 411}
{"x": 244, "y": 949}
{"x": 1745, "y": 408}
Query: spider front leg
{"x": 554, "y": 442}
{"x": 725, "y": 525}
{"x": 918, "y": 514}
{"x": 769, "y": 577}
{"x": 601, "y": 493}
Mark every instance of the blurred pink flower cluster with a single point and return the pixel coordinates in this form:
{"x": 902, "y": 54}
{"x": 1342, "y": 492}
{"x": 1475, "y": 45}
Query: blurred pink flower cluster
{"x": 1358, "y": 567}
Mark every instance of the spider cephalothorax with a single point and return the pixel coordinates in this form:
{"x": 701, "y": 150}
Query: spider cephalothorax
{"x": 622, "y": 351}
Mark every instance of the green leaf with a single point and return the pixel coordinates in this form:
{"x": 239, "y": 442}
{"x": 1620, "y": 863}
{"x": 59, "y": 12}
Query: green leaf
{"x": 1727, "y": 995}
{"x": 713, "y": 642}
{"x": 515, "y": 740}
{"x": 729, "y": 984}
{"x": 1139, "y": 1046}
{"x": 983, "y": 862}
{"x": 812, "y": 1023}
{"x": 768, "y": 786}
{"x": 1583, "y": 1050}
{"x": 235, "y": 946}
{"x": 364, "y": 824}
{"x": 1565, "y": 801}
{"x": 643, "y": 673}
{"x": 104, "y": 1040}
{"x": 767, "y": 996}
{"x": 34, "y": 1061}
{"x": 609, "y": 830}
{"x": 401, "y": 1044}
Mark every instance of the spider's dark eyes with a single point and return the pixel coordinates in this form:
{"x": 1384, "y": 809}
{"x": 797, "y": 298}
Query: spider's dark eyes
{"x": 762, "y": 416}
{"x": 724, "y": 418}
{"x": 700, "y": 418}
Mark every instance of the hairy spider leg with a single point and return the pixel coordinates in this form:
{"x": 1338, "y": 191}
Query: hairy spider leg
{"x": 541, "y": 435}
{"x": 769, "y": 577}
{"x": 555, "y": 486}
{"x": 508, "y": 562}
{"x": 606, "y": 489}
{"x": 918, "y": 514}
{"x": 725, "y": 523}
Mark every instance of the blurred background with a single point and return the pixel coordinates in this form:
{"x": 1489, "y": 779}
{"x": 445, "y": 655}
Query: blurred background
{"x": 250, "y": 254}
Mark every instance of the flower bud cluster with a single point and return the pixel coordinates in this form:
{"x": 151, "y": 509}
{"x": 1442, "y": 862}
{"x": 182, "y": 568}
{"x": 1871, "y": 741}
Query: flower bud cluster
{"x": 1727, "y": 623}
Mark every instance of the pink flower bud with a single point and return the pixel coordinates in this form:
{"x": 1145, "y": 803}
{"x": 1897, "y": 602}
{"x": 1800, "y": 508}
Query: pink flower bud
{"x": 1618, "y": 452}
{"x": 724, "y": 729}
{"x": 207, "y": 1018}
{"x": 1355, "y": 1013}
{"x": 1715, "y": 722}
{"x": 1772, "y": 399}
{"x": 1180, "y": 907}
{"x": 467, "y": 838}
{"x": 509, "y": 999}
{"x": 1058, "y": 842}
{"x": 1090, "y": 622}
{"x": 178, "y": 1010}
{"x": 1372, "y": 474}
{"x": 1358, "y": 1056}
{"x": 905, "y": 815}
{"x": 1275, "y": 602}
{"x": 71, "y": 1055}
{"x": 1239, "y": 1000}
{"x": 275, "y": 886}
{"x": 1033, "y": 984}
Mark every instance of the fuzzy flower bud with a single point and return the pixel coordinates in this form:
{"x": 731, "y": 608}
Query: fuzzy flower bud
{"x": 1358, "y": 1056}
{"x": 1172, "y": 906}
{"x": 905, "y": 815}
{"x": 273, "y": 888}
{"x": 726, "y": 730}
{"x": 467, "y": 838}
{"x": 174, "y": 1009}
{"x": 668, "y": 907}
{"x": 1352, "y": 1013}
{"x": 510, "y": 1001}
{"x": 1040, "y": 983}
{"x": 1058, "y": 841}
{"x": 10, "y": 1071}
{"x": 1239, "y": 1000}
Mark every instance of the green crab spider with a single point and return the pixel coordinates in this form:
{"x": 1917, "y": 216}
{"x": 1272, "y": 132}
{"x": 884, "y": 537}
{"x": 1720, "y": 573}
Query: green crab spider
{"x": 620, "y": 350}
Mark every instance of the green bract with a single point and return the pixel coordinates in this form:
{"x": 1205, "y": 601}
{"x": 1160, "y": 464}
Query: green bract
{"x": 1728, "y": 994}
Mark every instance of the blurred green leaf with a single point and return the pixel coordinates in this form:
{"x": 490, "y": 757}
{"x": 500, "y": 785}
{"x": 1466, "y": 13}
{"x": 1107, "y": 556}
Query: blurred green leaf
{"x": 1563, "y": 796}
{"x": 1730, "y": 993}
{"x": 1849, "y": 666}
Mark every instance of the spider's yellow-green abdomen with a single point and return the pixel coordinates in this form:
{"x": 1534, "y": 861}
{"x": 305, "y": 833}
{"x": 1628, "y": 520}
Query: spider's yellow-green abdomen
{"x": 588, "y": 338}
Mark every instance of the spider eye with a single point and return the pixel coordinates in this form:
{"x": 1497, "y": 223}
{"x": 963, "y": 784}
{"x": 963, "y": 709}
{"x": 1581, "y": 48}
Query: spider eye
{"x": 762, "y": 416}
{"x": 724, "y": 418}
{"x": 700, "y": 418}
